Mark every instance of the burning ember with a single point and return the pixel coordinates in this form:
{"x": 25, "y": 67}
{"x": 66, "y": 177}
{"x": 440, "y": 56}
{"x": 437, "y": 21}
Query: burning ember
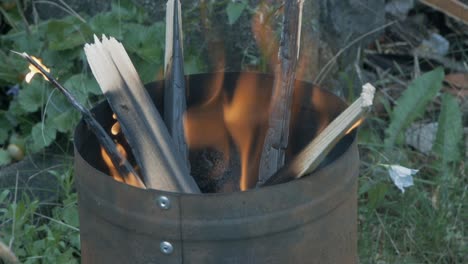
{"x": 33, "y": 70}
{"x": 130, "y": 178}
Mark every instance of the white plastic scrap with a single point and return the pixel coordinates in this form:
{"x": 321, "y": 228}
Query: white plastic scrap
{"x": 401, "y": 176}
{"x": 435, "y": 44}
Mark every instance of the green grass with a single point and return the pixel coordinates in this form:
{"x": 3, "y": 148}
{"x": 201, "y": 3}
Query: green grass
{"x": 418, "y": 226}
{"x": 42, "y": 232}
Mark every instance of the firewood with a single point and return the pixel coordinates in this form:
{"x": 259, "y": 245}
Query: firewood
{"x": 314, "y": 153}
{"x": 174, "y": 88}
{"x": 160, "y": 163}
{"x": 120, "y": 163}
{"x": 276, "y": 140}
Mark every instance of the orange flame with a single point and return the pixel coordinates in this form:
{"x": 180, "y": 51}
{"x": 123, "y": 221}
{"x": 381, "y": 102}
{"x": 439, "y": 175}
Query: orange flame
{"x": 203, "y": 124}
{"x": 112, "y": 170}
{"x": 241, "y": 117}
{"x": 246, "y": 118}
{"x": 33, "y": 70}
{"x": 355, "y": 125}
{"x": 130, "y": 179}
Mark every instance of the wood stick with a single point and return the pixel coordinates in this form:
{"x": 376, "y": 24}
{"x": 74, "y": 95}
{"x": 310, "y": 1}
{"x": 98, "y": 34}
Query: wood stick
{"x": 314, "y": 153}
{"x": 121, "y": 163}
{"x": 276, "y": 139}
{"x": 174, "y": 89}
{"x": 160, "y": 163}
{"x": 453, "y": 8}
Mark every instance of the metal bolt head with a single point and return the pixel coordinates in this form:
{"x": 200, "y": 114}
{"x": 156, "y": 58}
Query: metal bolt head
{"x": 164, "y": 202}
{"x": 166, "y": 247}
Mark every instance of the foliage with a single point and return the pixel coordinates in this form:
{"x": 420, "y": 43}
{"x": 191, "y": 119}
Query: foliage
{"x": 450, "y": 131}
{"x": 412, "y": 102}
{"x": 41, "y": 115}
{"x": 423, "y": 225}
{"x": 234, "y": 10}
{"x": 38, "y": 232}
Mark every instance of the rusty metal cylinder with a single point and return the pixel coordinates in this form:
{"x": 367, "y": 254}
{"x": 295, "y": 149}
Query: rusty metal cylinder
{"x": 311, "y": 220}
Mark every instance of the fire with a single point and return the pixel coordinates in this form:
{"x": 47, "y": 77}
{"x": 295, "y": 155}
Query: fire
{"x": 115, "y": 130}
{"x": 358, "y": 123}
{"x": 130, "y": 179}
{"x": 33, "y": 70}
{"x": 112, "y": 170}
{"x": 246, "y": 118}
{"x": 204, "y": 125}
{"x": 239, "y": 118}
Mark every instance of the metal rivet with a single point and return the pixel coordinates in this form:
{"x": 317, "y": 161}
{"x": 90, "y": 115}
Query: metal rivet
{"x": 166, "y": 247}
{"x": 164, "y": 202}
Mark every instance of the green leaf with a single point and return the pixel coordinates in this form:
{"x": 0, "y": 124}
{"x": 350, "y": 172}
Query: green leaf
{"x": 5, "y": 127}
{"x": 92, "y": 86}
{"x": 66, "y": 121}
{"x": 412, "y": 103}
{"x": 106, "y": 23}
{"x": 60, "y": 66}
{"x": 127, "y": 10}
{"x": 11, "y": 68}
{"x": 148, "y": 71}
{"x": 76, "y": 86}
{"x": 24, "y": 42}
{"x": 376, "y": 194}
{"x": 67, "y": 33}
{"x": 31, "y": 97}
{"x": 234, "y": 11}
{"x": 145, "y": 41}
{"x": 5, "y": 158}
{"x": 57, "y": 104}
{"x": 70, "y": 215}
{"x": 42, "y": 135}
{"x": 3, "y": 196}
{"x": 450, "y": 131}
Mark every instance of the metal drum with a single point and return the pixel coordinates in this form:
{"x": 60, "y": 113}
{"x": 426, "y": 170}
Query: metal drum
{"x": 311, "y": 220}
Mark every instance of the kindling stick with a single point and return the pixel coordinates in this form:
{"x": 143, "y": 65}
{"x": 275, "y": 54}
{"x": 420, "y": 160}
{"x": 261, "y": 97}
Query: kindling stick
{"x": 174, "y": 88}
{"x": 314, "y": 153}
{"x": 123, "y": 166}
{"x": 160, "y": 163}
{"x": 276, "y": 139}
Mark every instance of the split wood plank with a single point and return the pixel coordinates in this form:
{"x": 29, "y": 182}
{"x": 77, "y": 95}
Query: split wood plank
{"x": 174, "y": 89}
{"x": 315, "y": 152}
{"x": 160, "y": 164}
